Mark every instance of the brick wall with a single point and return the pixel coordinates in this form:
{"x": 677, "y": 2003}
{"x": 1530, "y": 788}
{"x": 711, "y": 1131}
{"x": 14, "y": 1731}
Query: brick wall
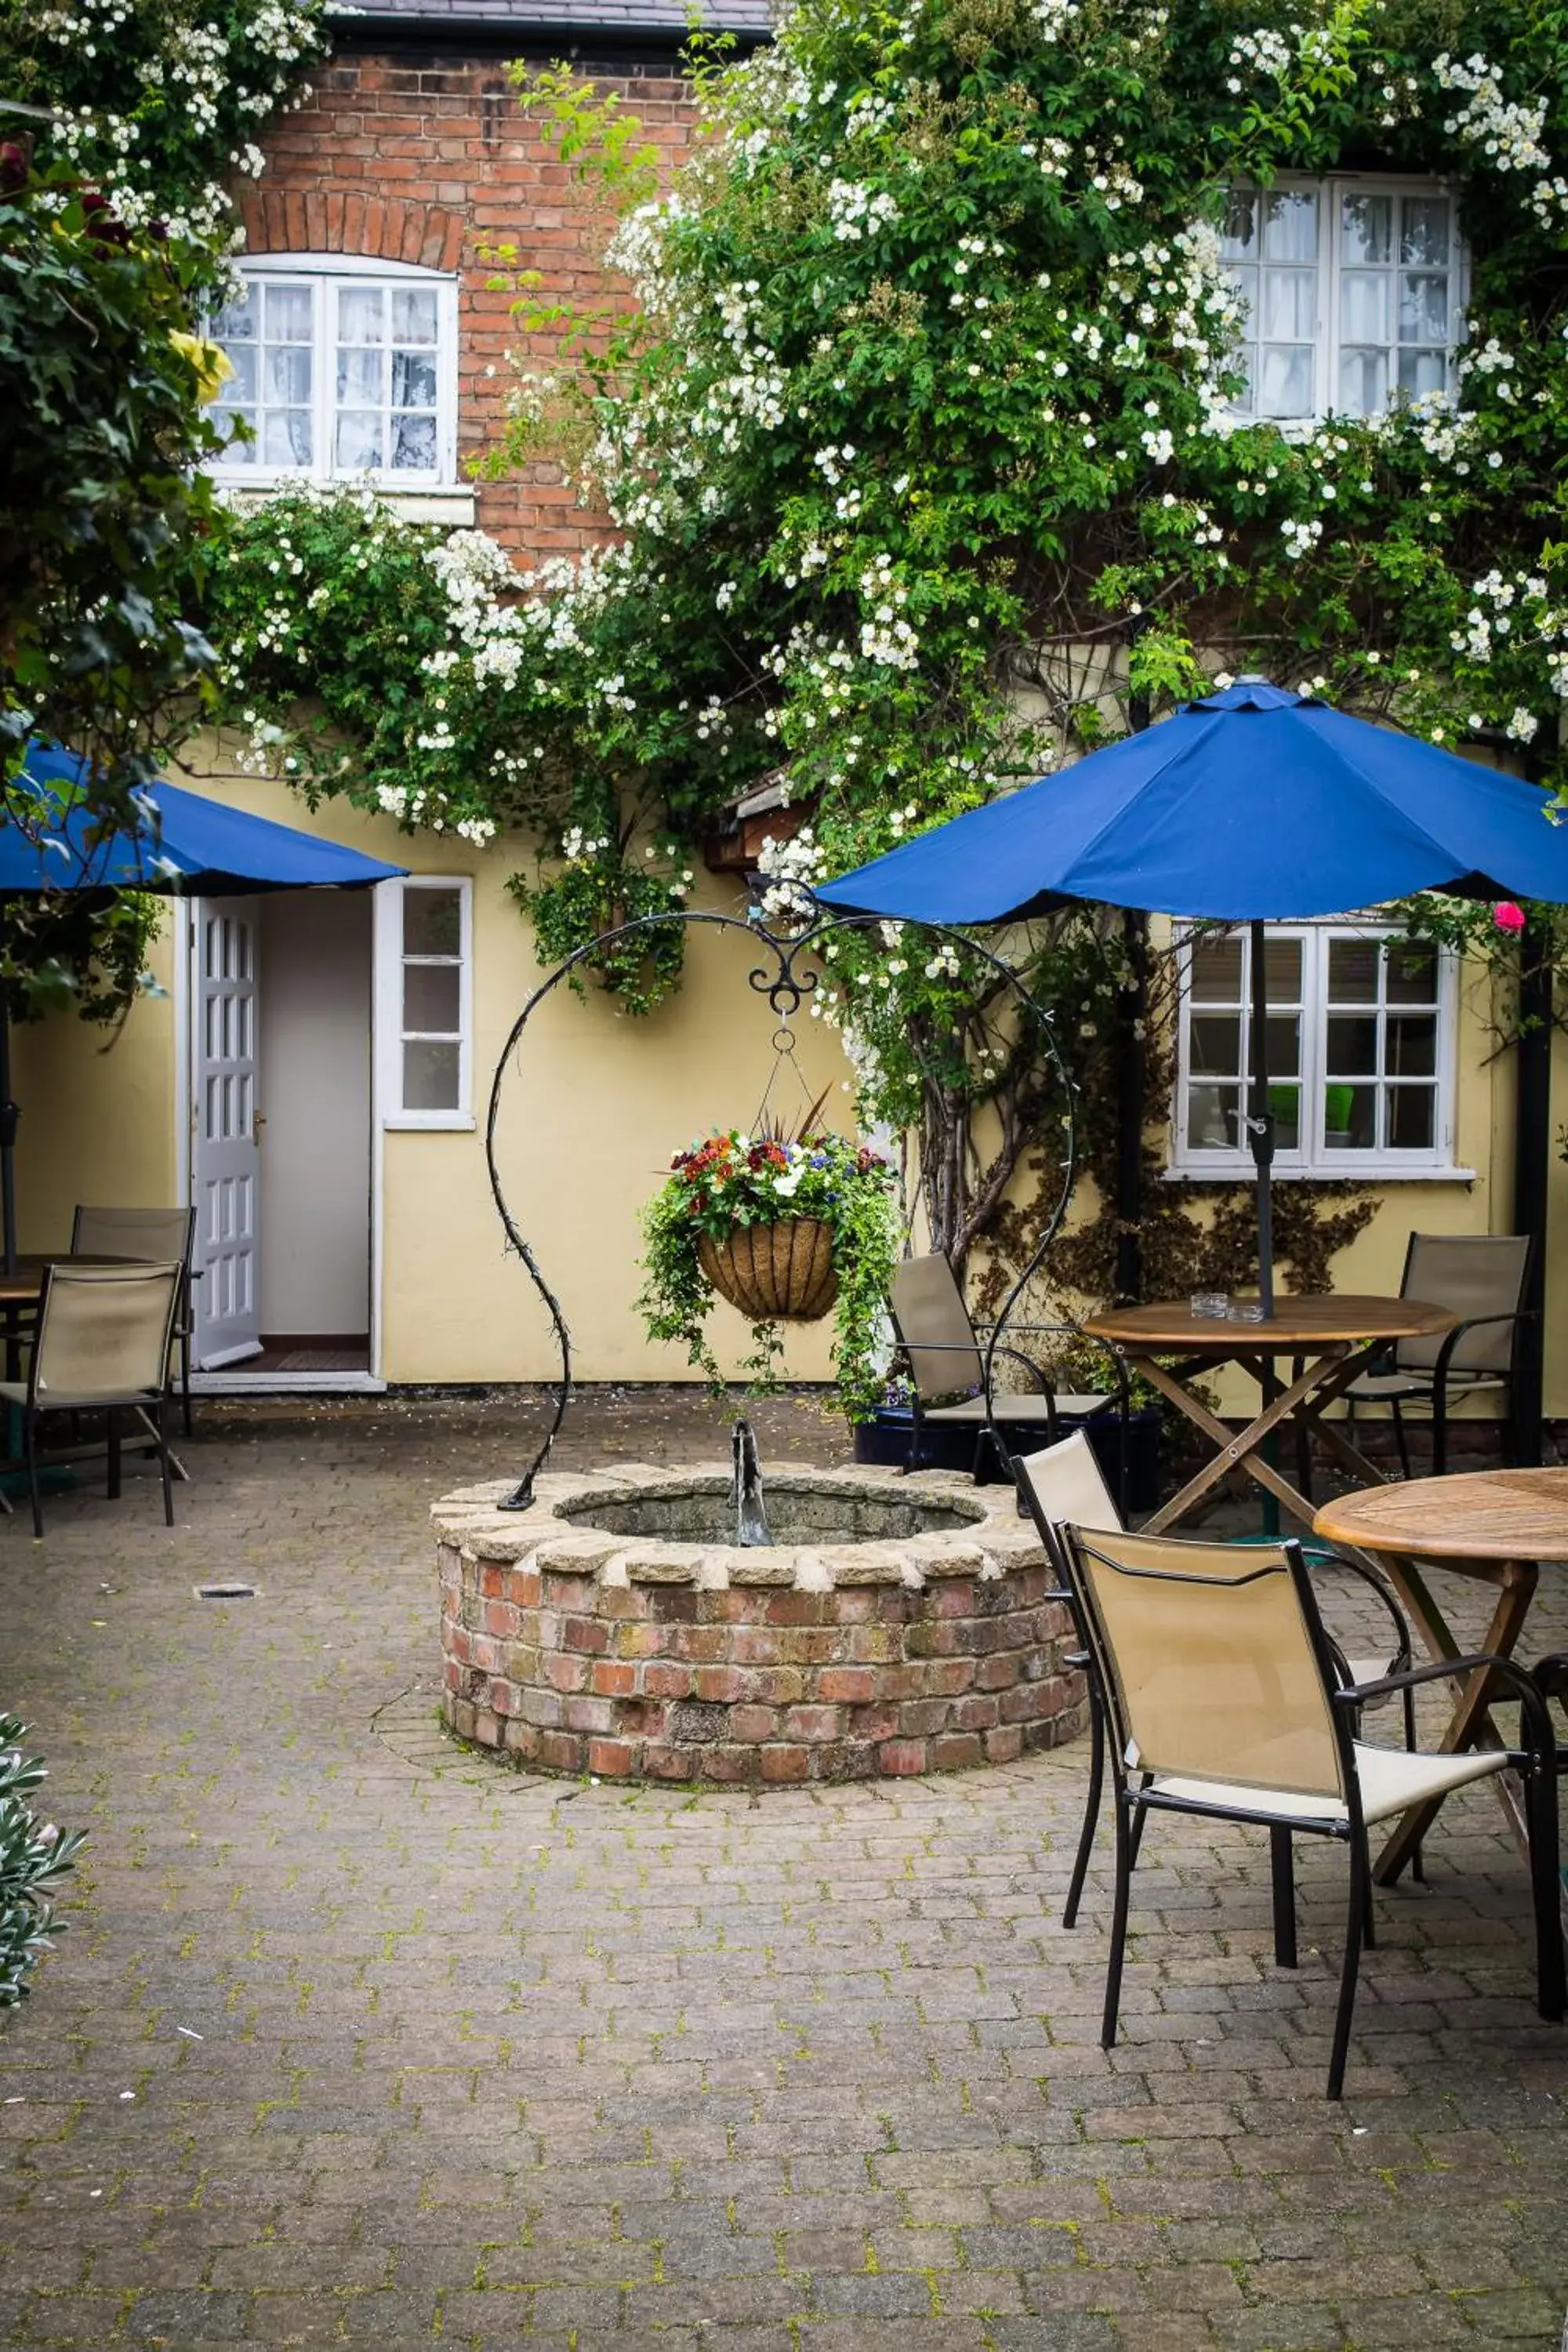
{"x": 427, "y": 160}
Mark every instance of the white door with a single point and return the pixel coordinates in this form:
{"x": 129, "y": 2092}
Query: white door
{"x": 226, "y": 1161}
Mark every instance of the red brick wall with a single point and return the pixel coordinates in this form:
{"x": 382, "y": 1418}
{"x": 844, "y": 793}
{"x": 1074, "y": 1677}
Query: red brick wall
{"x": 429, "y": 162}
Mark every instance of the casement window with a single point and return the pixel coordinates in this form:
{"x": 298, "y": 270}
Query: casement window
{"x": 425, "y": 997}
{"x": 1361, "y": 1052}
{"x": 1355, "y": 291}
{"x": 343, "y": 371}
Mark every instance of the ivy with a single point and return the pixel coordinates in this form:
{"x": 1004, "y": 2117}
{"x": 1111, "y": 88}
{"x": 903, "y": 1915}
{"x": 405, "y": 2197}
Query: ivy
{"x": 914, "y": 430}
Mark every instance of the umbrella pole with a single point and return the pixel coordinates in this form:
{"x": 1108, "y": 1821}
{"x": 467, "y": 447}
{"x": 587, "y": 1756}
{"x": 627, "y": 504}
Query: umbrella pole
{"x": 9, "y": 1114}
{"x": 1260, "y": 1123}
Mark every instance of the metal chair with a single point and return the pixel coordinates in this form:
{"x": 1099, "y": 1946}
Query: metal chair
{"x": 158, "y": 1235}
{"x": 946, "y": 1353}
{"x": 1062, "y": 1486}
{"x": 1223, "y": 1701}
{"x": 1482, "y": 1278}
{"x": 102, "y": 1346}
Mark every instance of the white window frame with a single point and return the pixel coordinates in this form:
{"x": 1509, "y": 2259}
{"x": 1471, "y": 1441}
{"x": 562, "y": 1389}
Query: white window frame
{"x": 390, "y": 962}
{"x": 327, "y": 275}
{"x": 1312, "y": 1157}
{"x": 1326, "y": 336}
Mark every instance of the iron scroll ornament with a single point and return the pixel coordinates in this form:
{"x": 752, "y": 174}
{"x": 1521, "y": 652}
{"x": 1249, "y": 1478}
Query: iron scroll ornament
{"x": 786, "y": 983}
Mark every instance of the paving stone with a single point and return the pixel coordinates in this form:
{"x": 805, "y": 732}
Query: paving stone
{"x": 540, "y": 2063}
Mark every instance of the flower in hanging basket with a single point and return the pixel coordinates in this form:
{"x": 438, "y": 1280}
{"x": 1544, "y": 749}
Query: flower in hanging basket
{"x": 784, "y": 1230}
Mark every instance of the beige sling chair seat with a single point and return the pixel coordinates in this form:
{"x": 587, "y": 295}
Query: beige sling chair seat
{"x": 946, "y": 1351}
{"x": 1066, "y": 1486}
{"x": 1223, "y": 1700}
{"x": 102, "y": 1346}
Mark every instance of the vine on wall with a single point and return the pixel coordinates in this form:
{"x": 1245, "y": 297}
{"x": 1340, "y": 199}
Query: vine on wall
{"x": 922, "y": 390}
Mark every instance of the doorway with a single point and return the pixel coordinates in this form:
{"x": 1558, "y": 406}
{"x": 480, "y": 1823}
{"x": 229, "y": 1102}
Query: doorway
{"x": 280, "y": 1162}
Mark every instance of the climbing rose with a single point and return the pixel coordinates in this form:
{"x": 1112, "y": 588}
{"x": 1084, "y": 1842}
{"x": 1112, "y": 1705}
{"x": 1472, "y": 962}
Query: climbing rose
{"x": 1507, "y": 917}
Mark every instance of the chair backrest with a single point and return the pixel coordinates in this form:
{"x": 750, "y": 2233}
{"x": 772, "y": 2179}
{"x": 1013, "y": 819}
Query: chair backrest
{"x": 1212, "y": 1659}
{"x": 1066, "y": 1485}
{"x": 1473, "y": 1274}
{"x": 934, "y": 1329}
{"x": 103, "y": 1331}
{"x": 156, "y": 1235}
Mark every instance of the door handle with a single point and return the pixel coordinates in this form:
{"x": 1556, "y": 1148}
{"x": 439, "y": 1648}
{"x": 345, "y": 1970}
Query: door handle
{"x": 256, "y": 1124}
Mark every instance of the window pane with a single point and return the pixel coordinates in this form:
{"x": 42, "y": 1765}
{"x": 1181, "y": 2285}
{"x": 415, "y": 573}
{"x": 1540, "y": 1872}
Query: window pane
{"x": 359, "y": 440}
{"x": 1412, "y": 1118}
{"x": 360, "y": 378}
{"x": 1290, "y": 304}
{"x": 1364, "y": 383}
{"x": 1284, "y": 1046}
{"x": 431, "y": 998}
{"x": 1290, "y": 226}
{"x": 1350, "y": 1119}
{"x": 1214, "y": 1115}
{"x": 414, "y": 316}
{"x": 1216, "y": 1043}
{"x": 1423, "y": 311}
{"x": 1363, "y": 306}
{"x": 237, "y": 322}
{"x": 239, "y": 392}
{"x": 288, "y": 373}
{"x": 1246, "y": 284}
{"x": 1284, "y": 1102}
{"x": 1245, "y": 362}
{"x": 1238, "y": 228}
{"x": 1353, "y": 972}
{"x": 432, "y": 922}
{"x": 1366, "y": 229}
{"x": 289, "y": 311}
{"x": 286, "y": 437}
{"x": 1411, "y": 972}
{"x": 360, "y": 315}
{"x": 412, "y": 380}
{"x": 1424, "y": 232}
{"x": 413, "y": 444}
{"x": 1353, "y": 1044}
{"x": 431, "y": 1074}
{"x": 1286, "y": 385}
{"x": 1217, "y": 971}
{"x": 1282, "y": 969}
{"x": 1411, "y": 1049}
{"x": 236, "y": 453}
{"x": 1422, "y": 372}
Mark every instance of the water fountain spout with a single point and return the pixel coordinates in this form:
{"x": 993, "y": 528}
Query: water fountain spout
{"x": 751, "y": 1512}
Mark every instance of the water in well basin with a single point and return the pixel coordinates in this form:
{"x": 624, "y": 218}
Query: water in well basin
{"x": 701, "y": 1510}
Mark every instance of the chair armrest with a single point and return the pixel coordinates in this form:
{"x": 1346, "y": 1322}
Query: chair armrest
{"x": 1122, "y": 1393}
{"x": 1531, "y": 1699}
{"x": 1472, "y": 1323}
{"x": 1369, "y": 1577}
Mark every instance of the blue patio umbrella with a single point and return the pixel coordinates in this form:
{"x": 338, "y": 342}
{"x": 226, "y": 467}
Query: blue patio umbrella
{"x": 181, "y": 844}
{"x": 1248, "y": 805}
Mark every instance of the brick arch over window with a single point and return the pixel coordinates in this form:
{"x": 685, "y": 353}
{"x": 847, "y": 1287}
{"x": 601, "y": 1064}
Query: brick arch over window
{"x": 381, "y": 228}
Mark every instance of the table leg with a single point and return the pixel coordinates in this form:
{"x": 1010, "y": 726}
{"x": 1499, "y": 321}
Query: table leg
{"x": 1471, "y": 1725}
{"x": 1232, "y": 1450}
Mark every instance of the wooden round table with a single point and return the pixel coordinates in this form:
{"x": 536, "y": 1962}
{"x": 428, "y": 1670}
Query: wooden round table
{"x": 21, "y": 1288}
{"x": 1339, "y": 1336}
{"x": 1496, "y": 1526}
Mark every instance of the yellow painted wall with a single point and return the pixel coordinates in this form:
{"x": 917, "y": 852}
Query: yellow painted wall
{"x": 591, "y": 1114}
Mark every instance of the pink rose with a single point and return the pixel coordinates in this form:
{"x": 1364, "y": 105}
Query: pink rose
{"x": 1507, "y": 917}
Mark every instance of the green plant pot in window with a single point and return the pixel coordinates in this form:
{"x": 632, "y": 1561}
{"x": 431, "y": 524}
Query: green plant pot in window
{"x": 1338, "y": 1105}
{"x": 1284, "y": 1104}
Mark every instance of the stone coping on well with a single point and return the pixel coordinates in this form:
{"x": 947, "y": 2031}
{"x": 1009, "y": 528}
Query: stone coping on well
{"x": 579, "y": 1649}
{"x": 556, "y": 1533}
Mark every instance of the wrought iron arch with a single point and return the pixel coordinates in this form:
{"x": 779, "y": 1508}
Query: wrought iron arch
{"x": 786, "y": 983}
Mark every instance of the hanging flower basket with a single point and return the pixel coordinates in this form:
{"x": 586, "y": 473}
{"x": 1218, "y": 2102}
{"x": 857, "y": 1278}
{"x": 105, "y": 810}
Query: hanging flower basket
{"x": 786, "y": 1232}
{"x": 773, "y": 1273}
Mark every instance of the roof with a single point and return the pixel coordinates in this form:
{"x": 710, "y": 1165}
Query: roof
{"x": 657, "y": 27}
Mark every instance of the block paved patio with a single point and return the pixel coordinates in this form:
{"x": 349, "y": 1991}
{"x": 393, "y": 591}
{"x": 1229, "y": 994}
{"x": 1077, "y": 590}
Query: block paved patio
{"x": 357, "y": 2039}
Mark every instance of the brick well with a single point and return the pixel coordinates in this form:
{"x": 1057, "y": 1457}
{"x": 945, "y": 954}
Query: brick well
{"x": 897, "y": 1626}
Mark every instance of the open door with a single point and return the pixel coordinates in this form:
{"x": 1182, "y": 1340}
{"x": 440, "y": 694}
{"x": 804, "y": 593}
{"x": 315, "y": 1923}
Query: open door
{"x": 226, "y": 1158}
